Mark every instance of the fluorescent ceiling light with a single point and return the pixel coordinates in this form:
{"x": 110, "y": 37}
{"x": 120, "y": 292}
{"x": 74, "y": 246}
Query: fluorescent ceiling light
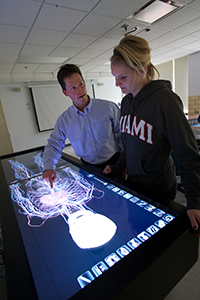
{"x": 29, "y": 59}
{"x": 154, "y": 11}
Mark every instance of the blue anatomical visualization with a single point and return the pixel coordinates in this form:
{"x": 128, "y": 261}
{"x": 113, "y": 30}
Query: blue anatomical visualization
{"x": 68, "y": 198}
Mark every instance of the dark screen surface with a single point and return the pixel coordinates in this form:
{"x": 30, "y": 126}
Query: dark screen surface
{"x": 80, "y": 229}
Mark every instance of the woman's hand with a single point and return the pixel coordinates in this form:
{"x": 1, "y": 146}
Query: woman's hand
{"x": 107, "y": 170}
{"x": 194, "y": 215}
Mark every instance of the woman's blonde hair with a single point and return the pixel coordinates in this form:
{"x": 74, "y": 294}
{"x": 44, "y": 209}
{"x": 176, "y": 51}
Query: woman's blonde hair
{"x": 135, "y": 52}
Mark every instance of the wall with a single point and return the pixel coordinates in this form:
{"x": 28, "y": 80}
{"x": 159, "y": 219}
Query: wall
{"x": 20, "y": 117}
{"x": 166, "y": 70}
{"x": 194, "y": 74}
{"x": 177, "y": 74}
{"x": 194, "y": 83}
{"x": 181, "y": 80}
{"x": 106, "y": 89}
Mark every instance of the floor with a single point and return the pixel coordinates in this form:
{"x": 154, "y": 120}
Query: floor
{"x": 188, "y": 288}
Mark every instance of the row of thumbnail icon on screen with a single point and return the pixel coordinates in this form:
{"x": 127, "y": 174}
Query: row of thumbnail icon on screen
{"x": 143, "y": 204}
{"x": 98, "y": 269}
{"x": 147, "y": 206}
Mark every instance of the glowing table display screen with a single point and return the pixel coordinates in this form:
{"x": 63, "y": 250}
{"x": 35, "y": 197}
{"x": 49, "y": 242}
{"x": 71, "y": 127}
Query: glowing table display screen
{"x": 75, "y": 232}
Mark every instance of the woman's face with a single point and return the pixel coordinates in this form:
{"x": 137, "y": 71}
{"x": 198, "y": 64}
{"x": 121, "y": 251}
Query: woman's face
{"x": 128, "y": 79}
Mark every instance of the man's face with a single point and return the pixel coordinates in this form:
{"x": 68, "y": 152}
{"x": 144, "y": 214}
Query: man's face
{"x": 75, "y": 88}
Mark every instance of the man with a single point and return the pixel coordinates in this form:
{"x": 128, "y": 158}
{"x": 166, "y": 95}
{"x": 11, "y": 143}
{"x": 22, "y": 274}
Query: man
{"x": 91, "y": 125}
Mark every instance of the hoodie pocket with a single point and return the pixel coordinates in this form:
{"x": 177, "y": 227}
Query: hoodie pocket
{"x": 134, "y": 166}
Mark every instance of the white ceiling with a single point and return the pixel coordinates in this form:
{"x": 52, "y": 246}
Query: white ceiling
{"x": 37, "y": 36}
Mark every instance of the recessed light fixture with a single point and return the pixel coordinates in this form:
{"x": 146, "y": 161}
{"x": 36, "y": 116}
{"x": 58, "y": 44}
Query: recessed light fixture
{"x": 155, "y": 10}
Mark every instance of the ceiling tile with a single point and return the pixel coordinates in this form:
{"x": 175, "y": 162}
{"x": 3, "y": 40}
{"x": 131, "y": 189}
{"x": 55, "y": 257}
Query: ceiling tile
{"x": 114, "y": 8}
{"x": 13, "y": 34}
{"x": 194, "y": 4}
{"x": 106, "y": 55}
{"x": 86, "y": 5}
{"x": 104, "y": 43}
{"x": 6, "y": 68}
{"x": 10, "y": 48}
{"x": 193, "y": 45}
{"x": 88, "y": 53}
{"x": 20, "y": 12}
{"x": 21, "y": 77}
{"x": 183, "y": 41}
{"x": 183, "y": 16}
{"x": 26, "y": 68}
{"x": 45, "y": 37}
{"x": 47, "y": 32}
{"x": 5, "y": 78}
{"x": 37, "y": 50}
{"x": 10, "y": 59}
{"x": 160, "y": 51}
{"x": 96, "y": 25}
{"x": 99, "y": 69}
{"x": 43, "y": 77}
{"x": 31, "y": 59}
{"x": 47, "y": 68}
{"x": 65, "y": 51}
{"x": 196, "y": 33}
{"x": 78, "y": 61}
{"x": 152, "y": 34}
{"x": 98, "y": 61}
{"x": 189, "y": 27}
{"x": 57, "y": 18}
{"x": 165, "y": 39}
{"x": 75, "y": 40}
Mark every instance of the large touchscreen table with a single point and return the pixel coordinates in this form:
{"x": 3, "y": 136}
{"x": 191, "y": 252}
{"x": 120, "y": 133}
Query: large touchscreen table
{"x": 78, "y": 231}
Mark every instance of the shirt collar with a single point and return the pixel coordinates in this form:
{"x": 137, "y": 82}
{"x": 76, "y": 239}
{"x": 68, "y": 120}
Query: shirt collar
{"x": 86, "y": 109}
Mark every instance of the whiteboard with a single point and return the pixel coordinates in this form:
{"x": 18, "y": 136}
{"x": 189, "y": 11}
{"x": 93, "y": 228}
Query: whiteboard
{"x": 49, "y": 103}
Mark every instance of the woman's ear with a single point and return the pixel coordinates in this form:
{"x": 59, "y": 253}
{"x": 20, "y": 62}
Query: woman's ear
{"x": 145, "y": 68}
{"x": 143, "y": 71}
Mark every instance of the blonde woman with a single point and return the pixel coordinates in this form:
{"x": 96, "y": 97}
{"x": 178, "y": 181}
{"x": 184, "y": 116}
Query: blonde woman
{"x": 152, "y": 125}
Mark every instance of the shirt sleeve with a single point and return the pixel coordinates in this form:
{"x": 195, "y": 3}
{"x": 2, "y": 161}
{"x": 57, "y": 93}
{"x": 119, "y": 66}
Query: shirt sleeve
{"x": 55, "y": 144}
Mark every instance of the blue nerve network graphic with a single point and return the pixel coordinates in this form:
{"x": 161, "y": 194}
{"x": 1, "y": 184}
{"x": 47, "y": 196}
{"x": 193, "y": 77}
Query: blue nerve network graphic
{"x": 68, "y": 199}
